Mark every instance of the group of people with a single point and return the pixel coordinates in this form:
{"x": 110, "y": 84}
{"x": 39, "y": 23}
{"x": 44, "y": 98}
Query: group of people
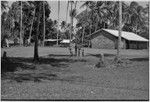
{"x": 79, "y": 50}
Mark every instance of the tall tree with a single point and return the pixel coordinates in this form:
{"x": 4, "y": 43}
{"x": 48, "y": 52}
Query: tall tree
{"x": 120, "y": 28}
{"x": 4, "y": 5}
{"x": 136, "y": 16}
{"x": 86, "y": 4}
{"x": 45, "y": 9}
{"x": 71, "y": 19}
{"x": 29, "y": 39}
{"x": 36, "y": 56}
{"x": 76, "y": 48}
{"x": 43, "y": 22}
{"x": 72, "y": 16}
{"x": 21, "y": 39}
{"x": 71, "y": 27}
{"x": 58, "y": 21}
{"x": 6, "y": 23}
{"x": 67, "y": 10}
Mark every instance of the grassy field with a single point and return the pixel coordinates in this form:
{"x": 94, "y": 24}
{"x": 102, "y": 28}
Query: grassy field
{"x": 59, "y": 76}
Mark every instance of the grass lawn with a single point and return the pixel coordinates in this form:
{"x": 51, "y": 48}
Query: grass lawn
{"x": 59, "y": 76}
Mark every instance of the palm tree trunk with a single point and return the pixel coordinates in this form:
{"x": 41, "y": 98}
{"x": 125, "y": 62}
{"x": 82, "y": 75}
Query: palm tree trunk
{"x": 149, "y": 22}
{"x": 71, "y": 24}
{"x": 83, "y": 35}
{"x": 58, "y": 21}
{"x": 31, "y": 27}
{"x": 120, "y": 28}
{"x": 21, "y": 40}
{"x": 36, "y": 56}
{"x": 90, "y": 34}
{"x": 70, "y": 49}
{"x": 97, "y": 24}
{"x": 75, "y": 4}
{"x": 67, "y": 10}
{"x": 84, "y": 32}
{"x": 90, "y": 29}
{"x": 76, "y": 49}
{"x": 43, "y": 23}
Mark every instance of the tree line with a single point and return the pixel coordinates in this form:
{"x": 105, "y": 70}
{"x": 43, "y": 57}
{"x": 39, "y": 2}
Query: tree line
{"x": 22, "y": 17}
{"x": 105, "y": 14}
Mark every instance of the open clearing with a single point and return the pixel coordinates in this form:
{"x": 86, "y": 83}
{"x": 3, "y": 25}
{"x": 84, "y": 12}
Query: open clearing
{"x": 59, "y": 76}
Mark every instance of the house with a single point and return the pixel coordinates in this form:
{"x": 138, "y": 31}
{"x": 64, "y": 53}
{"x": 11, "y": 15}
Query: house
{"x": 66, "y": 42}
{"x": 51, "y": 42}
{"x": 108, "y": 39}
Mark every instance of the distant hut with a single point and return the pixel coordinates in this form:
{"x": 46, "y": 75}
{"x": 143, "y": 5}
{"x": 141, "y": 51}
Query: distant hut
{"x": 51, "y": 42}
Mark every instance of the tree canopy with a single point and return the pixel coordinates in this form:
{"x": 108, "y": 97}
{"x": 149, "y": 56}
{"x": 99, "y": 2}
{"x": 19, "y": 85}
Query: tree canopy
{"x": 105, "y": 14}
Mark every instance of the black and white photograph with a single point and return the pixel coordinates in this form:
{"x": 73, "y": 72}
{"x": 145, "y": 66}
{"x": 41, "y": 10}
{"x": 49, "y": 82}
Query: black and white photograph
{"x": 67, "y": 50}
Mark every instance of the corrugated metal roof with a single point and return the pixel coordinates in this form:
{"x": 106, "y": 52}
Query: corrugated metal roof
{"x": 126, "y": 35}
{"x": 50, "y": 39}
{"x": 65, "y": 41}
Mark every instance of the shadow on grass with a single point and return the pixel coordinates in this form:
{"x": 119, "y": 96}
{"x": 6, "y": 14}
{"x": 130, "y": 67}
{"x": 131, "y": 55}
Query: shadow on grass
{"x": 61, "y": 55}
{"x": 40, "y": 77}
{"x": 42, "y": 60}
{"x": 139, "y": 59}
{"x": 13, "y": 64}
{"x": 16, "y": 66}
{"x": 35, "y": 77}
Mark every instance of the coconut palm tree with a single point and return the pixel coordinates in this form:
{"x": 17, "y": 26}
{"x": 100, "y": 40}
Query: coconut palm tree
{"x": 71, "y": 18}
{"x": 86, "y": 4}
{"x": 73, "y": 13}
{"x": 58, "y": 20}
{"x": 4, "y": 5}
{"x": 67, "y": 10}
{"x": 21, "y": 39}
{"x": 136, "y": 16}
{"x": 120, "y": 28}
{"x": 114, "y": 15}
{"x": 101, "y": 12}
{"x": 43, "y": 22}
{"x": 89, "y": 5}
{"x": 29, "y": 39}
{"x": 71, "y": 28}
{"x": 4, "y": 16}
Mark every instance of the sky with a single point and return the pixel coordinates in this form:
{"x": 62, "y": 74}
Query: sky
{"x": 63, "y": 7}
